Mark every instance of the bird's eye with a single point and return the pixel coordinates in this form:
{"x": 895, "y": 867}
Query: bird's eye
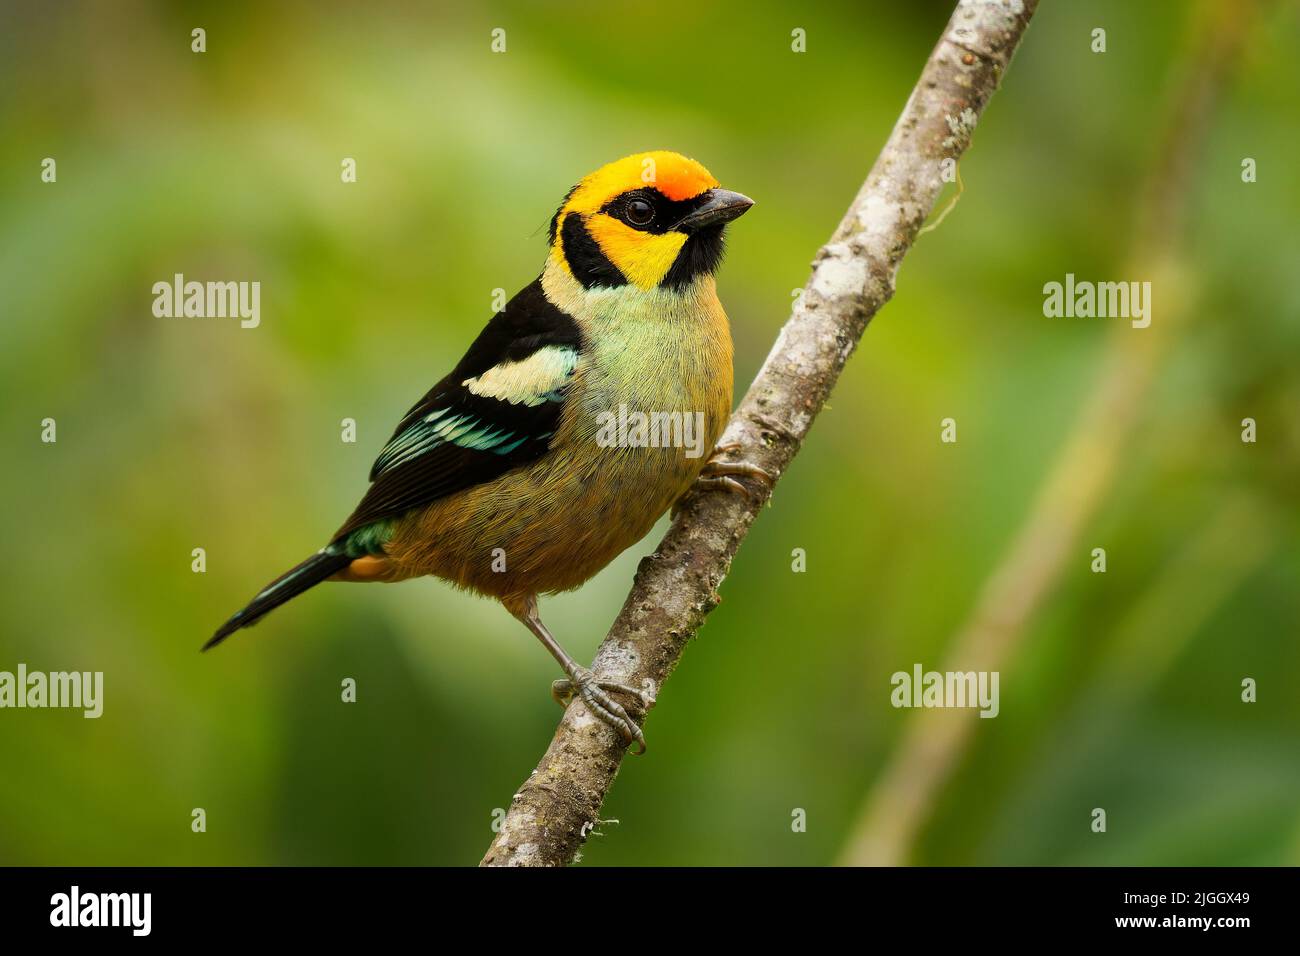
{"x": 639, "y": 212}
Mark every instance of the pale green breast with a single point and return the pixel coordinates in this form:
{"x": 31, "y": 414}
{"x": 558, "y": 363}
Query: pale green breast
{"x": 653, "y": 351}
{"x": 565, "y": 516}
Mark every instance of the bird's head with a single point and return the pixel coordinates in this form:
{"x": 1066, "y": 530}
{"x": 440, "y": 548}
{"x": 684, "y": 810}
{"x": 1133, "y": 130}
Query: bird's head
{"x": 649, "y": 219}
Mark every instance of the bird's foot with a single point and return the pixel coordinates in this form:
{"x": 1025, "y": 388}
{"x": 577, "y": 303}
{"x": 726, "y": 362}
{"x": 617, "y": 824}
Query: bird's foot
{"x": 584, "y": 685}
{"x": 718, "y": 473}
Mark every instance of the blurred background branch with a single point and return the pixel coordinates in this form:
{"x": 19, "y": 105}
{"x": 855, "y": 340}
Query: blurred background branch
{"x": 853, "y": 277}
{"x": 1089, "y": 462}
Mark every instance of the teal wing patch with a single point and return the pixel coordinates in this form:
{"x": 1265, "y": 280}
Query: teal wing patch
{"x": 496, "y": 411}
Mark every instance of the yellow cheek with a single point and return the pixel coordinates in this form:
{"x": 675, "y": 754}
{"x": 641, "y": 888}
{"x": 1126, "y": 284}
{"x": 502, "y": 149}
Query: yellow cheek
{"x": 641, "y": 256}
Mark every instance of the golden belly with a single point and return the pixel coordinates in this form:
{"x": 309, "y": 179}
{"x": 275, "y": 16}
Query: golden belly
{"x": 551, "y": 525}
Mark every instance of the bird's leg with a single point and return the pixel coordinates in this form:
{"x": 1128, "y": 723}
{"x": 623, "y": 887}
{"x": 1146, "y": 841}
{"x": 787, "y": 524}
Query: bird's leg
{"x": 717, "y": 473}
{"x": 581, "y": 682}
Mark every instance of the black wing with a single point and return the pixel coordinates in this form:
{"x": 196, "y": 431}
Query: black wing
{"x": 497, "y": 410}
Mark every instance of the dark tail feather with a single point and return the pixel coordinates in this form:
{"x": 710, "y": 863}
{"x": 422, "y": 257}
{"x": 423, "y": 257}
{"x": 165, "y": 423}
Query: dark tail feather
{"x": 288, "y": 585}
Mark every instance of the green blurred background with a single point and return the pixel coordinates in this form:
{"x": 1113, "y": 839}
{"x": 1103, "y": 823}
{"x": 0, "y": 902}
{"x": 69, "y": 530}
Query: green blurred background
{"x": 1122, "y": 693}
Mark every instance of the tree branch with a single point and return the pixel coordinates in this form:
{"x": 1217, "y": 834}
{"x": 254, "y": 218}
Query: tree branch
{"x": 852, "y": 278}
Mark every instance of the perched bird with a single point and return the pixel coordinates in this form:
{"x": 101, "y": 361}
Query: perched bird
{"x": 500, "y": 479}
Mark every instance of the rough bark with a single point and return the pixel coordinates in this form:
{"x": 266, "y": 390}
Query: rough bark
{"x": 852, "y": 278}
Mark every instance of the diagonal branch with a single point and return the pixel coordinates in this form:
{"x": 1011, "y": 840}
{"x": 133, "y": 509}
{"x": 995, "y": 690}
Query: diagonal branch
{"x": 853, "y": 277}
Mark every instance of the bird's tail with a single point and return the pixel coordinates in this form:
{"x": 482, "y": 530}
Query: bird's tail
{"x": 289, "y": 585}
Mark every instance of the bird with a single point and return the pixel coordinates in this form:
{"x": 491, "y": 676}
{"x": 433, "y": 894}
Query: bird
{"x": 507, "y": 478}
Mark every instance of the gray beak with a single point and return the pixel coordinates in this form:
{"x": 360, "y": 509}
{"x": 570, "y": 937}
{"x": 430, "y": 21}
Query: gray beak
{"x": 721, "y": 205}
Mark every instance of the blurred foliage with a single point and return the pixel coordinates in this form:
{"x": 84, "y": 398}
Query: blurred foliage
{"x": 176, "y": 434}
